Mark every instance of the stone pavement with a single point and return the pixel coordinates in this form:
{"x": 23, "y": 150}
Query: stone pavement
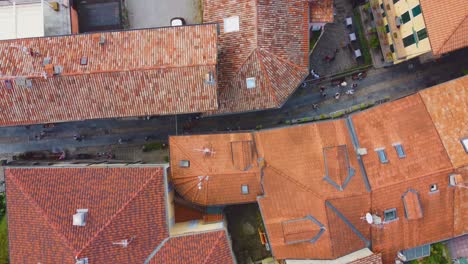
{"x": 158, "y": 13}
{"x": 458, "y": 247}
{"x": 335, "y": 36}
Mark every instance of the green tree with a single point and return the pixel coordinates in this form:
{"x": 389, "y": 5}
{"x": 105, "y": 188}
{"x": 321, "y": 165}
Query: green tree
{"x": 374, "y": 42}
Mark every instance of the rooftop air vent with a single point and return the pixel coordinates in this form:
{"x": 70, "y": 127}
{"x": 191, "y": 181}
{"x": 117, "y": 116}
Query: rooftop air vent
{"x": 79, "y": 219}
{"x": 250, "y": 82}
{"x": 362, "y": 151}
{"x": 184, "y": 164}
{"x": 82, "y": 261}
{"x": 102, "y": 40}
{"x": 231, "y": 24}
{"x": 47, "y": 60}
{"x": 245, "y": 189}
{"x": 209, "y": 78}
{"x": 58, "y": 69}
{"x": 84, "y": 61}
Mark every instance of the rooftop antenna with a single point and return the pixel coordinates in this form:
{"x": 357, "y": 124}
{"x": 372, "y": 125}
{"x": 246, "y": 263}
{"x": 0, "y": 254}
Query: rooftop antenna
{"x": 206, "y": 151}
{"x": 124, "y": 243}
{"x": 200, "y": 181}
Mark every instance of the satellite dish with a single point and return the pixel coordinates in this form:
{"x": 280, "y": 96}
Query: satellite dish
{"x": 369, "y": 218}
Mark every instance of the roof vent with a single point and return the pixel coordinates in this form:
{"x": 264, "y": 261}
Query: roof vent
{"x": 209, "y": 78}
{"x": 250, "y": 82}
{"x": 58, "y": 69}
{"x": 102, "y": 40}
{"x": 231, "y": 24}
{"x": 8, "y": 84}
{"x": 21, "y": 81}
{"x": 47, "y": 60}
{"x": 362, "y": 151}
{"x": 28, "y": 83}
{"x": 84, "y": 61}
{"x": 82, "y": 261}
{"x": 184, "y": 164}
{"x": 123, "y": 243}
{"x": 79, "y": 219}
{"x": 245, "y": 189}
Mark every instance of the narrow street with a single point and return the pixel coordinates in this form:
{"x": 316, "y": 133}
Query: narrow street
{"x": 393, "y": 82}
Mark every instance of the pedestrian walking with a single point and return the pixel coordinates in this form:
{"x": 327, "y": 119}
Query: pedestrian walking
{"x": 324, "y": 95}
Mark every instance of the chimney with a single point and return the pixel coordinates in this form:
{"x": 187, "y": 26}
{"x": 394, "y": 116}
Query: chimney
{"x": 79, "y": 219}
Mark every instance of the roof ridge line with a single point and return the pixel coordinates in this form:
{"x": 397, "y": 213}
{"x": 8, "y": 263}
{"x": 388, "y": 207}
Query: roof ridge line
{"x": 283, "y": 60}
{"x": 212, "y": 249}
{"x": 117, "y": 213}
{"x": 282, "y": 174}
{"x": 265, "y": 74}
{"x": 114, "y": 71}
{"x": 218, "y": 174}
{"x": 155, "y": 251}
{"x": 34, "y": 203}
{"x": 451, "y": 33}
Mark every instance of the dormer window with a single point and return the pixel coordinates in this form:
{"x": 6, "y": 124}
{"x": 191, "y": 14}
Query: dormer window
{"x": 433, "y": 188}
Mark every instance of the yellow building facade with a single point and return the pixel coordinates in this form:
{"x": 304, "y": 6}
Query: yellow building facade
{"x": 401, "y": 28}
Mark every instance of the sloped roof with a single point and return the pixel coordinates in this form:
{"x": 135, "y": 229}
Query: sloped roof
{"x": 124, "y": 204}
{"x": 461, "y": 204}
{"x": 215, "y": 177}
{"x": 210, "y": 247}
{"x": 404, "y": 122}
{"x": 271, "y": 46}
{"x": 447, "y": 105}
{"x": 372, "y": 259}
{"x": 134, "y": 73}
{"x": 42, "y": 201}
{"x": 321, "y": 11}
{"x": 446, "y": 23}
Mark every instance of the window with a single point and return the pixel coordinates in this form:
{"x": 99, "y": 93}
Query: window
{"x": 84, "y": 60}
{"x": 416, "y": 10}
{"x": 405, "y": 17}
{"x": 245, "y": 189}
{"x": 464, "y": 142}
{"x": 250, "y": 82}
{"x": 400, "y": 151}
{"x": 422, "y": 34}
{"x": 433, "y": 188}
{"x": 231, "y": 24}
{"x": 8, "y": 84}
{"x": 184, "y": 164}
{"x": 387, "y": 28}
{"x": 390, "y": 215}
{"x": 409, "y": 40}
{"x": 392, "y": 49}
{"x": 382, "y": 155}
{"x": 395, "y": 1}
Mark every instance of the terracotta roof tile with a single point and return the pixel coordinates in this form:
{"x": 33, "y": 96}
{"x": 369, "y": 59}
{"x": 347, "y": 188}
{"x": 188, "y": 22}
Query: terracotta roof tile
{"x": 447, "y": 24}
{"x": 321, "y": 11}
{"x": 405, "y": 122}
{"x": 270, "y": 46}
{"x": 412, "y": 205}
{"x": 447, "y": 105}
{"x": 134, "y": 73}
{"x": 216, "y": 176}
{"x": 300, "y": 230}
{"x": 210, "y": 247}
{"x": 42, "y": 202}
{"x": 436, "y": 224}
{"x": 461, "y": 204}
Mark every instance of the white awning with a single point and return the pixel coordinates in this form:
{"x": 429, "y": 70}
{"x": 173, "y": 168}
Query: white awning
{"x": 21, "y": 20}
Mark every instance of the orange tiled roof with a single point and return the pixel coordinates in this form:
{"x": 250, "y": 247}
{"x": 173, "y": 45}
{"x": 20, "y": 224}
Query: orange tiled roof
{"x": 404, "y": 122}
{"x": 210, "y": 247}
{"x": 447, "y": 105}
{"x": 217, "y": 176}
{"x": 42, "y": 201}
{"x": 372, "y": 259}
{"x": 134, "y": 73}
{"x": 447, "y": 24}
{"x": 321, "y": 11}
{"x": 271, "y": 45}
{"x": 461, "y": 204}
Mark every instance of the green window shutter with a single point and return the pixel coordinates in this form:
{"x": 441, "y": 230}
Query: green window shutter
{"x": 409, "y": 40}
{"x": 405, "y": 17}
{"x": 422, "y": 34}
{"x": 395, "y": 1}
{"x": 392, "y": 49}
{"x": 416, "y": 10}
{"x": 387, "y": 28}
